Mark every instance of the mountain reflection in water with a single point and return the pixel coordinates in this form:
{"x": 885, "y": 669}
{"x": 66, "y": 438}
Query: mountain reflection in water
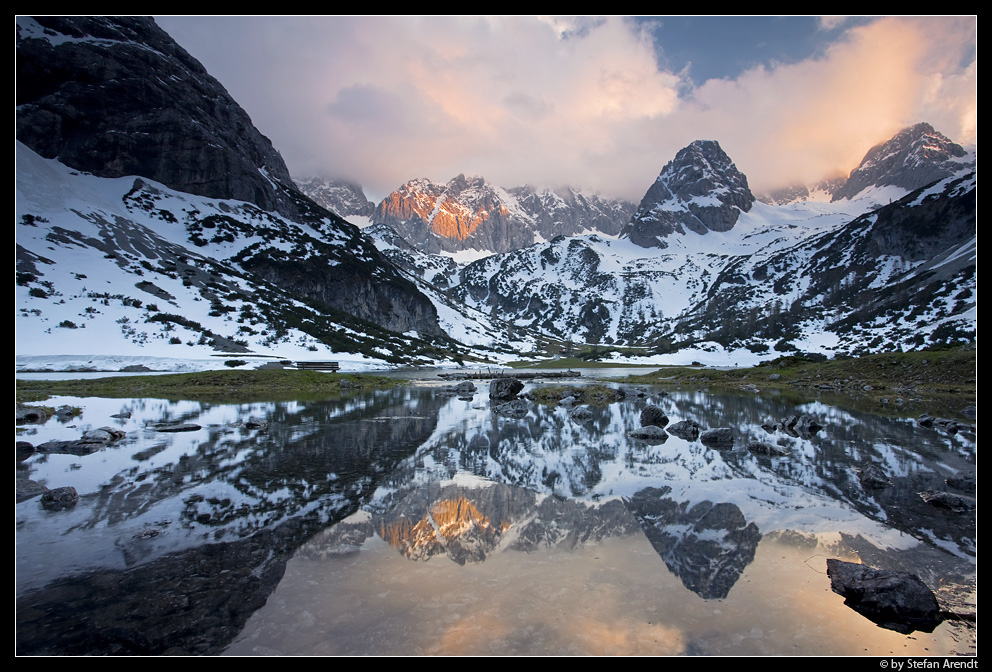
{"x": 409, "y": 521}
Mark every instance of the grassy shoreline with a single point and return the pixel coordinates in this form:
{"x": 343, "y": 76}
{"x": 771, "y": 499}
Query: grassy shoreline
{"x": 937, "y": 378}
{"x": 943, "y": 379}
{"x": 257, "y": 385}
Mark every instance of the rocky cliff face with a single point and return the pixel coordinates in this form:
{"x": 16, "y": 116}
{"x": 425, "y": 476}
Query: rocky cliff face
{"x": 117, "y": 96}
{"x": 913, "y": 158}
{"x": 465, "y": 213}
{"x": 700, "y": 190}
{"x": 341, "y": 197}
{"x": 470, "y": 213}
{"x": 567, "y": 212}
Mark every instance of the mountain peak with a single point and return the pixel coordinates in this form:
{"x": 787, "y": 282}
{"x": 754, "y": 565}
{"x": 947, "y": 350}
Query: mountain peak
{"x": 914, "y": 157}
{"x": 342, "y": 197}
{"x": 700, "y": 190}
{"x": 471, "y": 213}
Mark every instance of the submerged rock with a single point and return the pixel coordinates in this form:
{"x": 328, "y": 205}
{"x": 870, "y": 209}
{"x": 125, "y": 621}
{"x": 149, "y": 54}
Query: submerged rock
{"x": 948, "y": 500}
{"x": 580, "y": 413}
{"x": 872, "y": 476}
{"x": 25, "y": 489}
{"x": 761, "y": 448}
{"x": 649, "y": 433}
{"x": 186, "y": 427}
{"x": 60, "y": 498}
{"x": 894, "y": 600}
{"x": 91, "y": 441}
{"x": 721, "y": 437}
{"x": 466, "y": 388}
{"x": 515, "y": 408}
{"x": 685, "y": 429}
{"x": 103, "y": 435}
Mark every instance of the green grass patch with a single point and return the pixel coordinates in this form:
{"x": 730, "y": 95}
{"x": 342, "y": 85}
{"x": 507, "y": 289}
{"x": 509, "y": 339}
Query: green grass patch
{"x": 941, "y": 377}
{"x": 220, "y": 386}
{"x": 599, "y": 395}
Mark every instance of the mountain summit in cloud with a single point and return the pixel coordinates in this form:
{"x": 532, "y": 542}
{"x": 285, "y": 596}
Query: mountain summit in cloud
{"x": 700, "y": 190}
{"x": 913, "y": 158}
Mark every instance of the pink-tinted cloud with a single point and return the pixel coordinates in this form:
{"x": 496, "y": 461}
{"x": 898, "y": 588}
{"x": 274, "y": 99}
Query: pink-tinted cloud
{"x": 809, "y": 119}
{"x": 573, "y": 101}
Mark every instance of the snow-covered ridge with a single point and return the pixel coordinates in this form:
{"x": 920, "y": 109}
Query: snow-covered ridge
{"x": 469, "y": 213}
{"x": 131, "y": 267}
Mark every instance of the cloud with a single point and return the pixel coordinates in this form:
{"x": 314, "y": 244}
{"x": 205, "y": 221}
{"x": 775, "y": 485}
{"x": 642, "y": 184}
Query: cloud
{"x": 805, "y": 120}
{"x": 831, "y": 22}
{"x": 547, "y": 100}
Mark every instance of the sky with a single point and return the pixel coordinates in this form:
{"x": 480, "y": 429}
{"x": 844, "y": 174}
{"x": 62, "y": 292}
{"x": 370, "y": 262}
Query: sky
{"x": 599, "y": 103}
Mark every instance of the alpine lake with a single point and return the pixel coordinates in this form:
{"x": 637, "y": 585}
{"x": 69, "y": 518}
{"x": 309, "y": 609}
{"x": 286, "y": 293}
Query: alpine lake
{"x": 417, "y": 521}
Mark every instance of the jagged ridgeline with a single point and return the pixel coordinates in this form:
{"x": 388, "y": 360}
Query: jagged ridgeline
{"x": 469, "y": 213}
{"x": 703, "y": 264}
{"x": 209, "y": 214}
{"x": 152, "y": 214}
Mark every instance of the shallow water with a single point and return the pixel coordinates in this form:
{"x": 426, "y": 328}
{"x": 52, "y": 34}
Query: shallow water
{"x": 413, "y": 522}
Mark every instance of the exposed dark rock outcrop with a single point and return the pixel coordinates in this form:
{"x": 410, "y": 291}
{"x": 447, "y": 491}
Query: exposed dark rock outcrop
{"x": 913, "y": 158}
{"x": 504, "y": 389}
{"x": 341, "y": 197}
{"x": 653, "y": 415}
{"x": 700, "y": 190}
{"x": 117, "y": 96}
{"x": 894, "y": 600}
{"x": 471, "y": 213}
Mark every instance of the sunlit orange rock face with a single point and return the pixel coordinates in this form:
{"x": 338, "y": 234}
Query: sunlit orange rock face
{"x": 438, "y": 206}
{"x": 453, "y": 220}
{"x": 468, "y": 213}
{"x": 454, "y": 527}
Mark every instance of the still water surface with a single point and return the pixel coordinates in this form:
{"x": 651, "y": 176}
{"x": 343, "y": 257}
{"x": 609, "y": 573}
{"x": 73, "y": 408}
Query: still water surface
{"x": 410, "y": 521}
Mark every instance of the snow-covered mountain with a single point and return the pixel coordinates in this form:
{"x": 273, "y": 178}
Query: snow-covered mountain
{"x": 700, "y": 190}
{"x": 913, "y": 158}
{"x": 153, "y": 219}
{"x": 343, "y": 198}
{"x": 843, "y": 276}
{"x": 469, "y": 213}
{"x": 151, "y": 215}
